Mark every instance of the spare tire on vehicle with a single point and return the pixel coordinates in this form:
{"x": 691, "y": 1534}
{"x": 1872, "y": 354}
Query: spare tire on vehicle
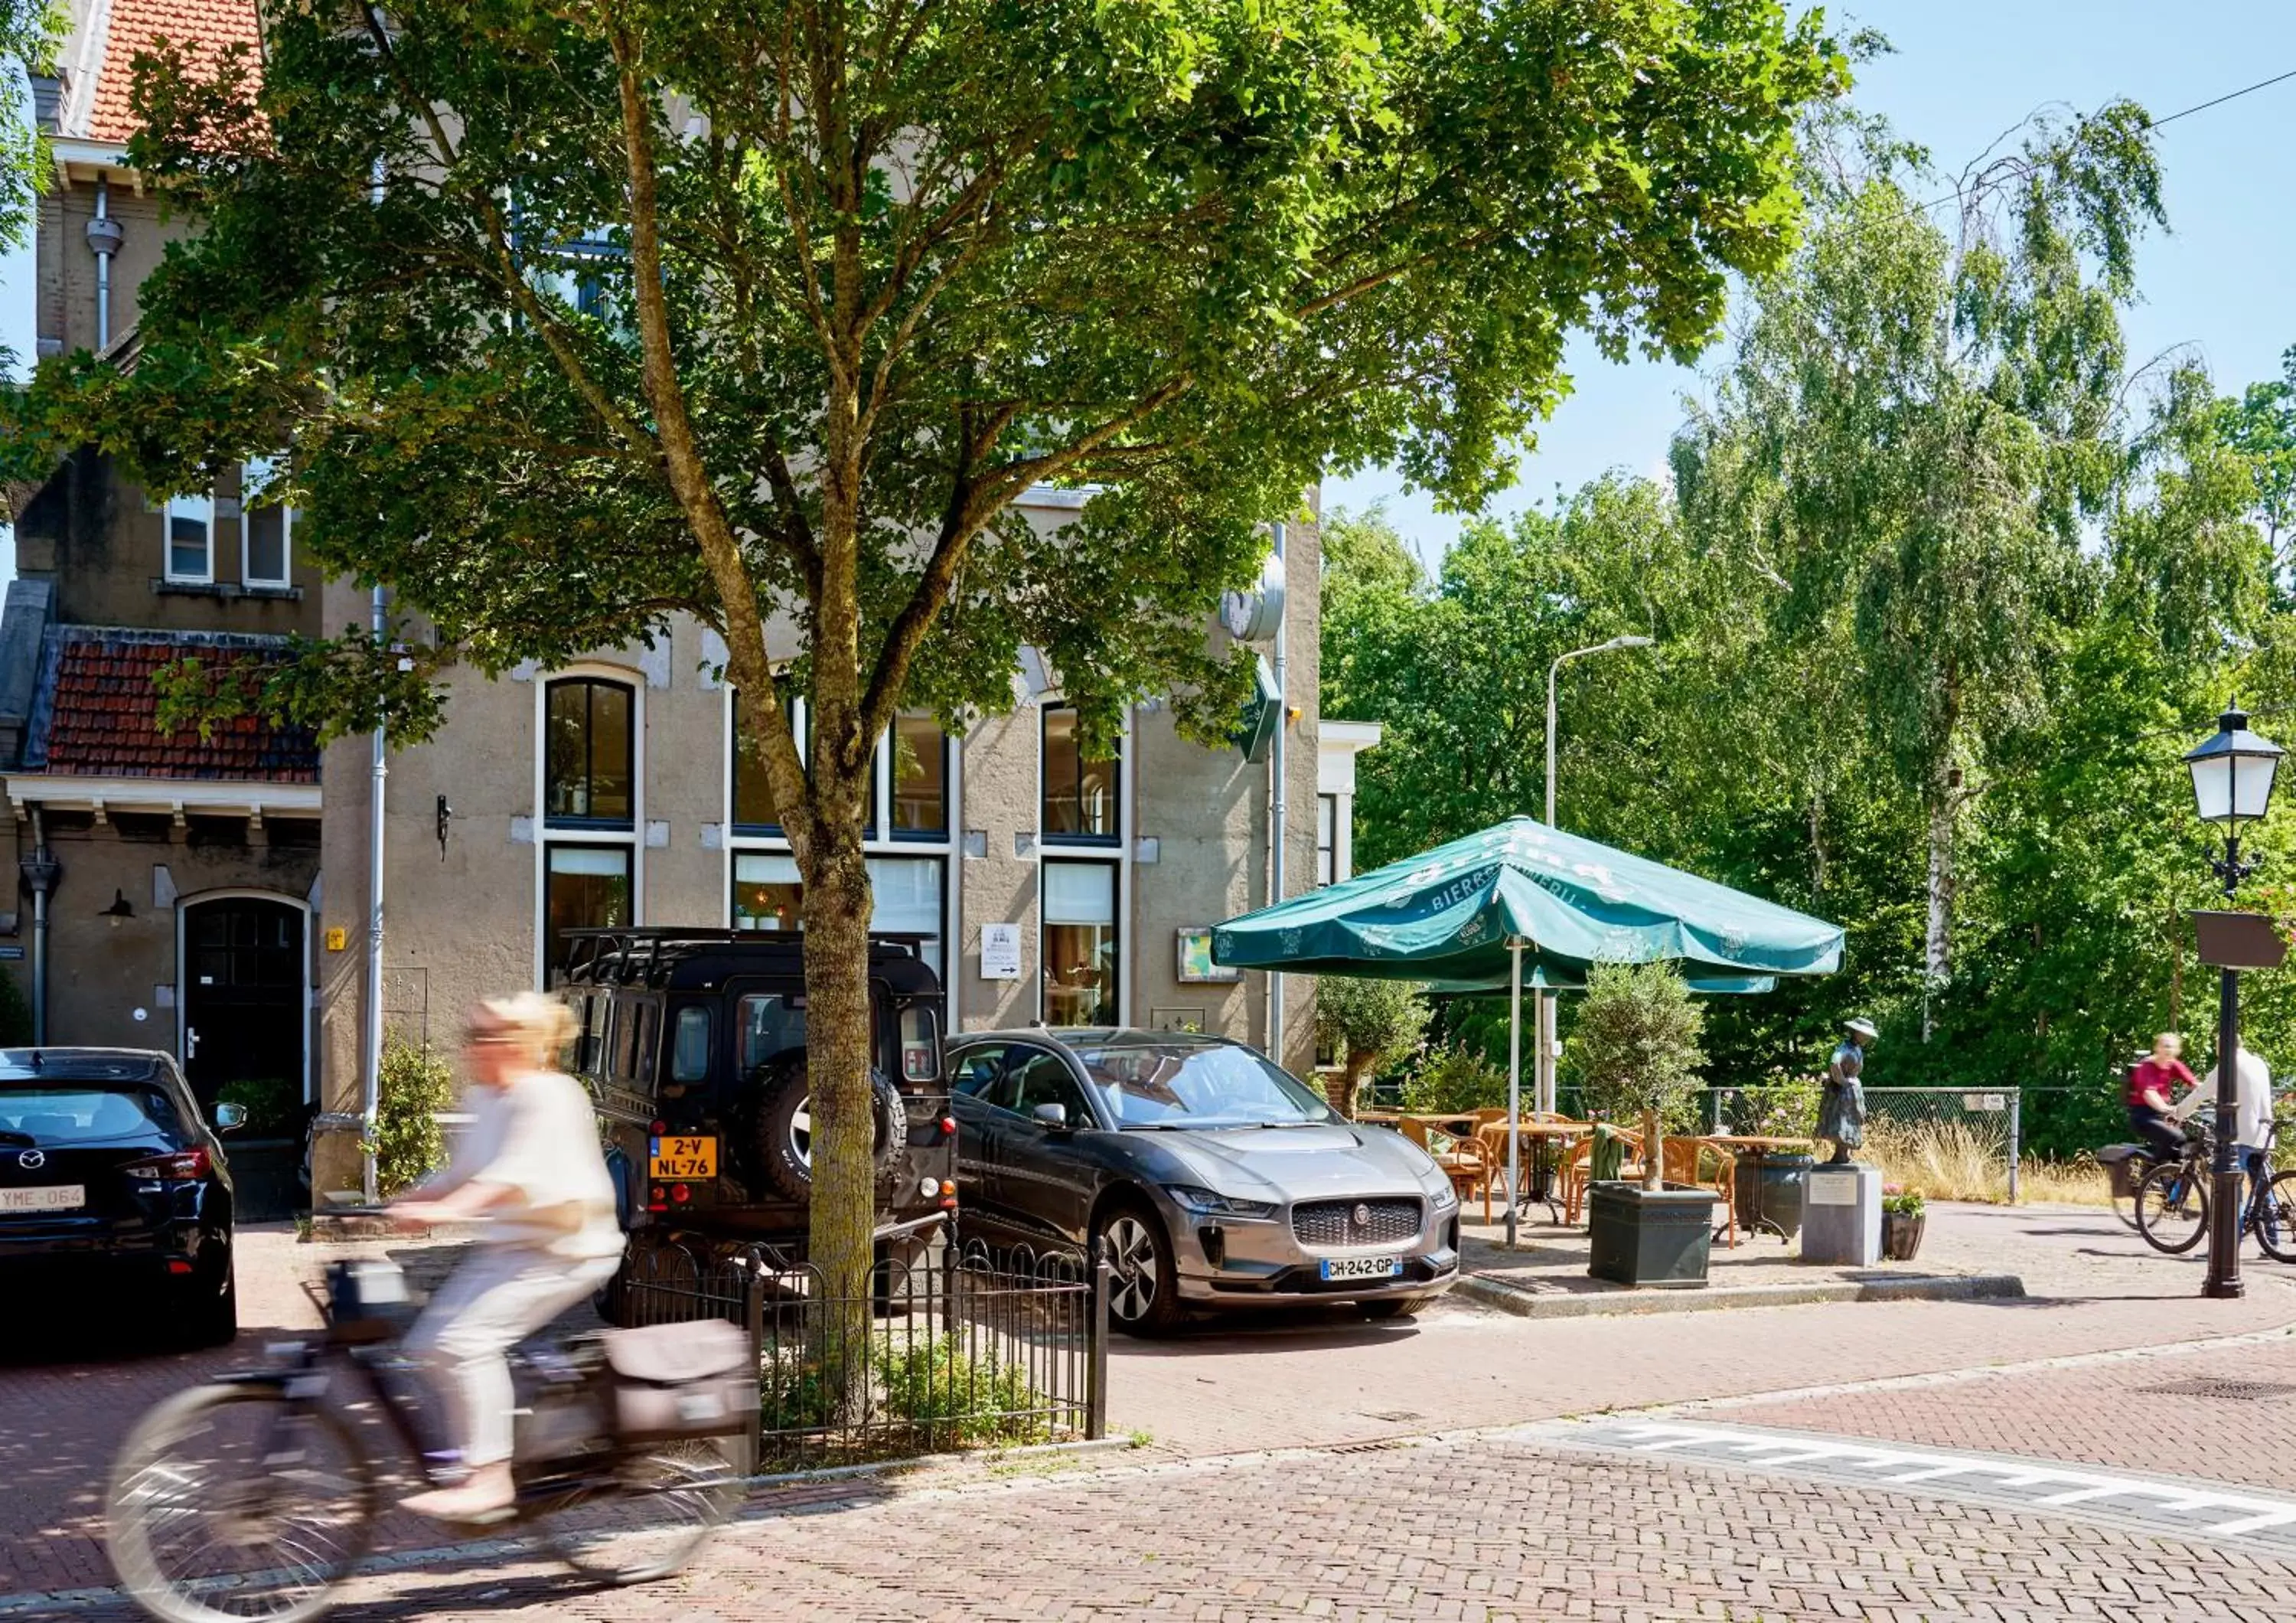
{"x": 781, "y": 1137}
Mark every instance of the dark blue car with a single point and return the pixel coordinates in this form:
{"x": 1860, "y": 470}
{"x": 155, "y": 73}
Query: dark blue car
{"x": 114, "y": 1192}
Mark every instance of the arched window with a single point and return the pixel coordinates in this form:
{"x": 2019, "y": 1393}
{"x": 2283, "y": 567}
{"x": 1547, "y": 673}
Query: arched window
{"x": 589, "y": 764}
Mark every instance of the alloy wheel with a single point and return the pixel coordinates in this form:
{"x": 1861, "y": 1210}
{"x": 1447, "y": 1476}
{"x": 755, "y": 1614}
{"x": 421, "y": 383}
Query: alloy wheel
{"x": 1132, "y": 1257}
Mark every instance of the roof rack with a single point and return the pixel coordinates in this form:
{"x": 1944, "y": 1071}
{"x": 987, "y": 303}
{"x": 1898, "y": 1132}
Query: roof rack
{"x": 626, "y": 953}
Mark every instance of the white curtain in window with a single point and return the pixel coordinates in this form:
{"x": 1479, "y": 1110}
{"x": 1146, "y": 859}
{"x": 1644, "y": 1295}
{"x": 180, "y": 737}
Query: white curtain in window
{"x": 764, "y": 868}
{"x": 908, "y": 894}
{"x": 613, "y": 860}
{"x": 1079, "y": 893}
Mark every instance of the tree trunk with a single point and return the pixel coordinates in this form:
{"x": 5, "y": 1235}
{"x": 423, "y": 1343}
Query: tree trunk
{"x": 1937, "y": 955}
{"x": 1346, "y": 1083}
{"x": 1653, "y": 1153}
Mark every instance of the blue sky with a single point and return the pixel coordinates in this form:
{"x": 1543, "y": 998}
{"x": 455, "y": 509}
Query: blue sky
{"x": 2223, "y": 281}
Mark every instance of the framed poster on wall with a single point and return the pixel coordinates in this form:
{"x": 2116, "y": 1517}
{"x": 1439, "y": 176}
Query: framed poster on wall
{"x": 1196, "y": 957}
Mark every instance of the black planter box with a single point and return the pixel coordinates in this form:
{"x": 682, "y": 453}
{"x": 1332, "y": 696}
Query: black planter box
{"x": 266, "y": 1176}
{"x": 1647, "y": 1237}
{"x": 1772, "y": 1186}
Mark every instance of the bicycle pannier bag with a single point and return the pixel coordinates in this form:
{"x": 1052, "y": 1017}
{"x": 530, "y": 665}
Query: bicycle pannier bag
{"x": 681, "y": 1381}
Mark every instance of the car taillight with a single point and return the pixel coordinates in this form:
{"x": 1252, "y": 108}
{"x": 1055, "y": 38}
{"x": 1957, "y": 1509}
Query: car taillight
{"x": 949, "y": 1126}
{"x": 948, "y": 1195}
{"x": 181, "y": 1168}
{"x": 681, "y": 1194}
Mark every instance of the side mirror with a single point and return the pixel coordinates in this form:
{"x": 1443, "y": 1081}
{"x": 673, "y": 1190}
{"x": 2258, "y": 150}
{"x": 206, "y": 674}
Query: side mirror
{"x": 1055, "y": 1116}
{"x": 230, "y": 1119}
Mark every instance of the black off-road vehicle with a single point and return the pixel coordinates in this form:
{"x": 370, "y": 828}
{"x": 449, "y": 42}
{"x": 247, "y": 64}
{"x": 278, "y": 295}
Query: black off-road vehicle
{"x": 694, "y": 1044}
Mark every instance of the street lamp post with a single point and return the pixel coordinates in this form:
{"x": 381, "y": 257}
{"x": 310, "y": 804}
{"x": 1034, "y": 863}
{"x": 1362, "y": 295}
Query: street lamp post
{"x": 1545, "y": 1085}
{"x": 2231, "y": 784}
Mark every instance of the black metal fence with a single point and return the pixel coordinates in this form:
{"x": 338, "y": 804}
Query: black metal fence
{"x": 960, "y": 1348}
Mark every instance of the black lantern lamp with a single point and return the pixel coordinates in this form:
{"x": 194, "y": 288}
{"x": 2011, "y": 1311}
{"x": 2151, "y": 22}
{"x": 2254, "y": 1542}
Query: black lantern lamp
{"x": 120, "y": 908}
{"x": 2232, "y": 785}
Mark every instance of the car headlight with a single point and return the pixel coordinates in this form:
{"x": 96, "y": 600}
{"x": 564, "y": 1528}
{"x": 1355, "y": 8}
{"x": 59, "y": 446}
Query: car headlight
{"x": 1210, "y": 1203}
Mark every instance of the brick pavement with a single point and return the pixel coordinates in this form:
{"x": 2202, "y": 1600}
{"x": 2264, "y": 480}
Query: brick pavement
{"x": 1479, "y": 1529}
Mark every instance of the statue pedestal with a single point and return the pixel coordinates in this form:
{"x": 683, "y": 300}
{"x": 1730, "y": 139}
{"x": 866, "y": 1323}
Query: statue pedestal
{"x": 1842, "y": 1215}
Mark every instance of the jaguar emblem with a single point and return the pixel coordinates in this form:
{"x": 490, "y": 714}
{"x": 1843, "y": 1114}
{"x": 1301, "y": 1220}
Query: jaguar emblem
{"x": 1362, "y": 1215}
{"x": 31, "y": 1160}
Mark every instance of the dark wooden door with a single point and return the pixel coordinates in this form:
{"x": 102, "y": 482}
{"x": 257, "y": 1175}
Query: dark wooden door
{"x": 243, "y": 976}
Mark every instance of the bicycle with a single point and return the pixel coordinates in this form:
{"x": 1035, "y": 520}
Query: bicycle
{"x": 2173, "y": 1200}
{"x": 255, "y": 1497}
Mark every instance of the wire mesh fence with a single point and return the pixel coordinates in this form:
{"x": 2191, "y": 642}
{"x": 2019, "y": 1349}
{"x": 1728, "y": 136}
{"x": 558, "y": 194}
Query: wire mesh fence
{"x": 1951, "y": 1143}
{"x": 958, "y": 1348}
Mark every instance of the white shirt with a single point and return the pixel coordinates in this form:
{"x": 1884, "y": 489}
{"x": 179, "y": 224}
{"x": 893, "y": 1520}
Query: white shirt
{"x": 539, "y": 1138}
{"x": 2252, "y": 1086}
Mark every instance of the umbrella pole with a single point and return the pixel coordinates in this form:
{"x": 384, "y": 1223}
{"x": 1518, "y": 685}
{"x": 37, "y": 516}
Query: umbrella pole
{"x": 1515, "y": 1086}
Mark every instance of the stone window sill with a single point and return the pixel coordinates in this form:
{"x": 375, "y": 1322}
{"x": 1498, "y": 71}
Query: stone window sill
{"x": 227, "y": 591}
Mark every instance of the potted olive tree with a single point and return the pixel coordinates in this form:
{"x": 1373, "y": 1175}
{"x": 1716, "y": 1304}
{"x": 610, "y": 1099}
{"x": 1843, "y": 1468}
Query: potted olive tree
{"x": 1368, "y": 1023}
{"x": 1635, "y": 1050}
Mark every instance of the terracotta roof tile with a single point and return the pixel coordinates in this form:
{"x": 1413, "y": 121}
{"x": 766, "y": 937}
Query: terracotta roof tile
{"x": 201, "y": 27}
{"x": 101, "y": 712}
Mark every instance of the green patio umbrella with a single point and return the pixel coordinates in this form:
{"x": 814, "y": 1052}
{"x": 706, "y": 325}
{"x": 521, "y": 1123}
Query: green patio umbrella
{"x": 1522, "y": 903}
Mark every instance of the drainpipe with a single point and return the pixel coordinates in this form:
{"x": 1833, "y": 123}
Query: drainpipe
{"x": 40, "y": 875}
{"x": 105, "y": 236}
{"x": 372, "y": 1096}
{"x": 1277, "y": 807}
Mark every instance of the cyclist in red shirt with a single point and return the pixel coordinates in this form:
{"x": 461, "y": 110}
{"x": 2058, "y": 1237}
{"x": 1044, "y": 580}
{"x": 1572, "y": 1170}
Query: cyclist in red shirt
{"x": 2152, "y": 1110}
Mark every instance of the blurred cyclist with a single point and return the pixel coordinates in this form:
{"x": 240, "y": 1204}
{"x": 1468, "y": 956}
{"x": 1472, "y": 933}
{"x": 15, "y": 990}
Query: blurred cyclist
{"x": 530, "y": 1171}
{"x": 2153, "y": 1108}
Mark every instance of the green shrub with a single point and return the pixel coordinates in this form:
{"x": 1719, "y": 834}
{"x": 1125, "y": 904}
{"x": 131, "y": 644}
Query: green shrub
{"x": 1780, "y": 1109}
{"x": 964, "y": 1399}
{"x": 1454, "y": 1080}
{"x": 1369, "y": 1024}
{"x": 409, "y": 1145}
{"x": 1908, "y": 1204}
{"x": 274, "y": 1106}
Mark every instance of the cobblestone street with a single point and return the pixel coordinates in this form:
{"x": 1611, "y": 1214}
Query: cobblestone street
{"x": 1321, "y": 1467}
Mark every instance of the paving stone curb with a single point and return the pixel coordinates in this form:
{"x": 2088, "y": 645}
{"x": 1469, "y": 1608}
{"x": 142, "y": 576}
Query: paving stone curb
{"x": 1926, "y": 1288}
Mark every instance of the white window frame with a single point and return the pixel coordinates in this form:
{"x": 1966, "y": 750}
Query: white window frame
{"x": 1121, "y": 854}
{"x": 879, "y": 844}
{"x": 547, "y": 833}
{"x": 201, "y": 507}
{"x": 247, "y": 575}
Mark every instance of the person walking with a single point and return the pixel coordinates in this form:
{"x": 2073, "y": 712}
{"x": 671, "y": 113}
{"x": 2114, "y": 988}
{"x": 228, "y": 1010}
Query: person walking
{"x": 2252, "y": 1124}
{"x": 531, "y": 1172}
{"x": 2154, "y": 1111}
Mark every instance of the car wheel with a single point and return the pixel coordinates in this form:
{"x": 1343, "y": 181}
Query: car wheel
{"x": 213, "y": 1319}
{"x": 1395, "y": 1306}
{"x": 1143, "y": 1290}
{"x": 784, "y": 1126}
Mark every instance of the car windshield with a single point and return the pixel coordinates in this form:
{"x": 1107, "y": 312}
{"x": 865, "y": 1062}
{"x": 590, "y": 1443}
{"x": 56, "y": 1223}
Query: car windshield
{"x": 1198, "y": 1085}
{"x": 63, "y": 1113}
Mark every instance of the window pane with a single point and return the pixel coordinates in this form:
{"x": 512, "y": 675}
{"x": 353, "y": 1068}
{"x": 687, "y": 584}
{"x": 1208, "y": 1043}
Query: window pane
{"x": 266, "y": 547}
{"x": 920, "y": 776}
{"x": 689, "y": 1056}
{"x": 907, "y": 890}
{"x": 1080, "y": 797}
{"x": 1326, "y": 823}
{"x": 767, "y": 892}
{"x": 588, "y": 753}
{"x": 191, "y": 523}
{"x": 588, "y": 887}
{"x": 1080, "y": 944}
{"x": 768, "y": 1024}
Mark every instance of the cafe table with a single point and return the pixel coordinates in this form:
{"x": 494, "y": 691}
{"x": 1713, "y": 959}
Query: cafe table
{"x": 1750, "y": 1147}
{"x": 1559, "y": 1130}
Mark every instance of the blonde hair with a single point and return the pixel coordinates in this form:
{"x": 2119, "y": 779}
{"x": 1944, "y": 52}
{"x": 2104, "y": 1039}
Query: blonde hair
{"x": 2170, "y": 1041}
{"x": 541, "y": 1025}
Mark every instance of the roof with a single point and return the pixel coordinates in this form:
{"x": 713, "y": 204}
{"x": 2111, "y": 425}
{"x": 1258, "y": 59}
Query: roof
{"x": 1097, "y": 1036}
{"x": 99, "y": 57}
{"x": 79, "y": 1064}
{"x": 95, "y": 713}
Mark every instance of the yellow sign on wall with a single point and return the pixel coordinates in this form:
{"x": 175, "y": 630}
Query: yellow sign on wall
{"x": 336, "y": 938}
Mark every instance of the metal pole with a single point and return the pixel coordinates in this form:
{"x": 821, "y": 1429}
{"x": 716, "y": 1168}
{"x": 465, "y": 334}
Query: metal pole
{"x": 371, "y": 1096}
{"x": 40, "y": 874}
{"x": 1278, "y": 804}
{"x": 1515, "y": 1086}
{"x": 2016, "y": 1137}
{"x": 2224, "y": 1200}
{"x": 1543, "y": 1071}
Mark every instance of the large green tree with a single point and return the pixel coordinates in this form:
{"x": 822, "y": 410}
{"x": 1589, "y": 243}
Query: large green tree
{"x": 1919, "y": 421}
{"x": 573, "y": 317}
{"x": 29, "y": 32}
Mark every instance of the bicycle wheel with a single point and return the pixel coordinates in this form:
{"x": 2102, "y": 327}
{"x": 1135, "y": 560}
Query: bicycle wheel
{"x": 2276, "y": 1217}
{"x": 2124, "y": 1206}
{"x": 2172, "y": 1208}
{"x": 661, "y": 1508}
{"x": 228, "y": 1504}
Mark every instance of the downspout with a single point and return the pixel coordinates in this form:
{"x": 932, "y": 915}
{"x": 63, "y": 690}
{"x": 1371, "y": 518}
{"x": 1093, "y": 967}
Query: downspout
{"x": 105, "y": 236}
{"x": 40, "y": 875}
{"x": 371, "y": 1098}
{"x": 1278, "y": 806}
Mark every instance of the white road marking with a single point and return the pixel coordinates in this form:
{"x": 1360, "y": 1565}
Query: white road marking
{"x": 2019, "y": 1483}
